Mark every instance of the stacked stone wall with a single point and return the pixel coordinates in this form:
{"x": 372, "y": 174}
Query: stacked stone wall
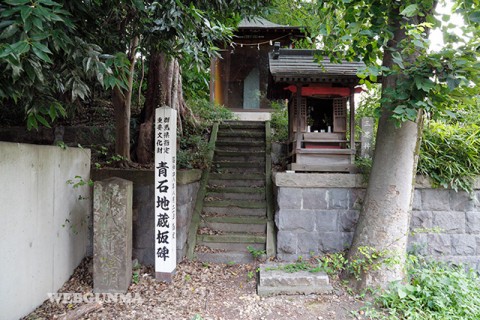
{"x": 317, "y": 213}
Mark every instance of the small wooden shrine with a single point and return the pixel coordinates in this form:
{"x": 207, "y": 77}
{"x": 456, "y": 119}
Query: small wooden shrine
{"x": 321, "y": 108}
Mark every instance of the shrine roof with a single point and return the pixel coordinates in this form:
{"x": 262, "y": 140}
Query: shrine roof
{"x": 261, "y": 23}
{"x": 310, "y": 66}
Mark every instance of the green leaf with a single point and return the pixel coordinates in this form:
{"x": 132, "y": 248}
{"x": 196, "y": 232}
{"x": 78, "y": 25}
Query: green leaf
{"x": 424, "y": 84}
{"x": 25, "y": 12}
{"x": 50, "y": 3}
{"x": 410, "y": 10}
{"x": 397, "y": 58}
{"x": 31, "y": 122}
{"x": 41, "y": 54}
{"x": 52, "y": 112}
{"x": 41, "y": 47}
{"x": 475, "y": 17}
{"x": 9, "y": 31}
{"x": 17, "y": 2}
{"x": 42, "y": 120}
{"x": 400, "y": 109}
{"x": 38, "y": 23}
{"x": 6, "y": 23}
{"x": 22, "y": 48}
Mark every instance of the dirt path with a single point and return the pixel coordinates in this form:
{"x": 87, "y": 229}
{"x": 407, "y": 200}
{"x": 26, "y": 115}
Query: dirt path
{"x": 202, "y": 291}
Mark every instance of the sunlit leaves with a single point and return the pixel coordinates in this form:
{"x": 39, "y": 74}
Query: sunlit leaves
{"x": 411, "y": 10}
{"x": 41, "y": 58}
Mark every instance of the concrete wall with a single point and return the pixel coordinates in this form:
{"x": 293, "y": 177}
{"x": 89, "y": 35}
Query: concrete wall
{"x": 43, "y": 233}
{"x": 318, "y": 213}
{"x": 144, "y": 211}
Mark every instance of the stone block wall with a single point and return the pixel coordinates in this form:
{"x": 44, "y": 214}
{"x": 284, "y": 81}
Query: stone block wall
{"x": 144, "y": 211}
{"x": 318, "y": 213}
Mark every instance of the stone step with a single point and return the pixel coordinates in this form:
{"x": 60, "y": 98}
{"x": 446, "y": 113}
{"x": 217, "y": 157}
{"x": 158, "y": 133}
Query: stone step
{"x": 246, "y": 144}
{"x": 233, "y": 211}
{"x": 246, "y": 134}
{"x": 245, "y": 193}
{"x": 236, "y": 146}
{"x": 275, "y": 281}
{"x": 231, "y": 246}
{"x": 235, "y": 183}
{"x": 235, "y": 170}
{"x": 234, "y": 203}
{"x": 236, "y": 190}
{"x": 236, "y": 195}
{"x": 242, "y": 124}
{"x": 238, "y": 157}
{"x": 227, "y": 224}
{"x": 238, "y": 167}
{"x": 239, "y": 164}
{"x": 243, "y": 238}
{"x": 228, "y": 257}
{"x": 237, "y": 176}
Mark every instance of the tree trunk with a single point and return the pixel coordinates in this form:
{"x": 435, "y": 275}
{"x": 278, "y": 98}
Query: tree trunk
{"x": 122, "y": 100}
{"x": 385, "y": 216}
{"x": 164, "y": 88}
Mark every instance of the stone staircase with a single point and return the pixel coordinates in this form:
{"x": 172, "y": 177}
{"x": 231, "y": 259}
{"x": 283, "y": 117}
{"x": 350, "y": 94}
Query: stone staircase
{"x": 234, "y": 214}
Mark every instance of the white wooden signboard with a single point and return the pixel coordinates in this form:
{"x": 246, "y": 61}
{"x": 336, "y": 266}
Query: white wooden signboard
{"x": 165, "y": 193}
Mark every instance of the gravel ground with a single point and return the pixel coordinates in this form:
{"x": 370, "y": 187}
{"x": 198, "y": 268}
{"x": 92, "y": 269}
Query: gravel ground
{"x": 200, "y": 291}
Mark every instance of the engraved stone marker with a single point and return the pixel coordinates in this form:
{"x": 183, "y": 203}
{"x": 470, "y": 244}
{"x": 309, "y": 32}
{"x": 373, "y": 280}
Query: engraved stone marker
{"x": 112, "y": 235}
{"x": 366, "y": 137}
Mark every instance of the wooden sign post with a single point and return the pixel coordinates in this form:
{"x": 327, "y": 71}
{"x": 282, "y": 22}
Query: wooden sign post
{"x": 165, "y": 193}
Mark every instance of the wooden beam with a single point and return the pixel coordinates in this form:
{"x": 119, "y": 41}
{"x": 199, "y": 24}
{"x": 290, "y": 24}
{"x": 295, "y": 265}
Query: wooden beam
{"x": 299, "y": 117}
{"x": 352, "y": 118}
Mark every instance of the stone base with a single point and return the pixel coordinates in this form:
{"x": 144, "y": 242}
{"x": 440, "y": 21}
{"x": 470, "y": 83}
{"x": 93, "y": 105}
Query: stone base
{"x": 274, "y": 281}
{"x": 165, "y": 276}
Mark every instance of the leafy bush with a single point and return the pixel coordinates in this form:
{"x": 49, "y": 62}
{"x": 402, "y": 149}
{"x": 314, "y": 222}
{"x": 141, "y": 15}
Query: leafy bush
{"x": 193, "y": 143}
{"x": 450, "y": 154}
{"x": 434, "y": 291}
{"x": 279, "y": 122}
{"x": 193, "y": 152}
{"x": 208, "y": 113}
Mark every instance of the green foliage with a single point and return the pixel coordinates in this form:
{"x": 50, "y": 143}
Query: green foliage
{"x": 208, "y": 113}
{"x": 364, "y": 165}
{"x": 450, "y": 150}
{"x": 364, "y": 260}
{"x": 103, "y": 157}
{"x": 434, "y": 291}
{"x": 197, "y": 80}
{"x": 46, "y": 64}
{"x": 194, "y": 146}
{"x": 256, "y": 253}
{"x": 78, "y": 181}
{"x": 193, "y": 152}
{"x": 279, "y": 122}
{"x": 421, "y": 80}
{"x": 136, "y": 272}
{"x": 450, "y": 154}
{"x": 332, "y": 263}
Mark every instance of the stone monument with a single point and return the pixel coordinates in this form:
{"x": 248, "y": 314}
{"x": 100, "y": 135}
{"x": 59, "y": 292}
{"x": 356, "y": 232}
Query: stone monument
{"x": 112, "y": 235}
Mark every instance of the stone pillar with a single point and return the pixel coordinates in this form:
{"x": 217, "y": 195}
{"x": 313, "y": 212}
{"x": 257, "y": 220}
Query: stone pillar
{"x": 112, "y": 235}
{"x": 366, "y": 136}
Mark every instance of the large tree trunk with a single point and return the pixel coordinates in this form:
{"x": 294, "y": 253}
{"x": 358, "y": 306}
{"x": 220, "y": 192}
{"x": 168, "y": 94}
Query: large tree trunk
{"x": 164, "y": 88}
{"x": 384, "y": 220}
{"x": 122, "y": 100}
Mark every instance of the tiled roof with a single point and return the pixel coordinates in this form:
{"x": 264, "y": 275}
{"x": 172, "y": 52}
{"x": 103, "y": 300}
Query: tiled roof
{"x": 297, "y": 65}
{"x": 261, "y": 23}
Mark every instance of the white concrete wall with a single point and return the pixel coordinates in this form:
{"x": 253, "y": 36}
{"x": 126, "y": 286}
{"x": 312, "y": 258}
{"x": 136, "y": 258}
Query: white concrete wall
{"x": 39, "y": 249}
